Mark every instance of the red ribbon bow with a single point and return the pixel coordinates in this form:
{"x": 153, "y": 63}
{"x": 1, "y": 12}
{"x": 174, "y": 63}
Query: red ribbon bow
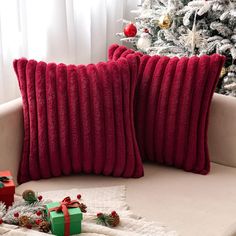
{"x": 64, "y": 205}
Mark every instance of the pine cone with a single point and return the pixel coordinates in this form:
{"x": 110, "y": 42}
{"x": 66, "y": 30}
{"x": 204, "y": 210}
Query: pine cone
{"x": 24, "y": 221}
{"x": 113, "y": 219}
{"x": 83, "y": 207}
{"x": 44, "y": 226}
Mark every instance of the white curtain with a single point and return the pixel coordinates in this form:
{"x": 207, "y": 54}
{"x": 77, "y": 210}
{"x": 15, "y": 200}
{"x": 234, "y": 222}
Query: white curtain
{"x": 68, "y": 31}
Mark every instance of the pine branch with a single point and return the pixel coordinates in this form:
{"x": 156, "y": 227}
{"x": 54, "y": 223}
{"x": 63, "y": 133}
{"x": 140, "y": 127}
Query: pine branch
{"x": 221, "y": 28}
{"x": 204, "y": 9}
{"x": 3, "y": 209}
{"x": 24, "y": 208}
{"x": 233, "y": 52}
{"x": 225, "y": 47}
{"x": 186, "y": 19}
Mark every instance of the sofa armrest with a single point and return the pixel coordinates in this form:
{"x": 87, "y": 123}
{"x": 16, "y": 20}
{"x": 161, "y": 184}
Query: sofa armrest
{"x": 11, "y": 135}
{"x": 222, "y": 130}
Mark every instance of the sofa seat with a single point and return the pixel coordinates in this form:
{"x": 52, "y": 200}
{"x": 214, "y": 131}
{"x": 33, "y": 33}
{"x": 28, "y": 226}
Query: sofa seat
{"x": 191, "y": 204}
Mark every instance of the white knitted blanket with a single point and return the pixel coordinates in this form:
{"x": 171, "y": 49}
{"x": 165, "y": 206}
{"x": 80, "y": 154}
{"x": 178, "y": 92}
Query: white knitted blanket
{"x": 100, "y": 200}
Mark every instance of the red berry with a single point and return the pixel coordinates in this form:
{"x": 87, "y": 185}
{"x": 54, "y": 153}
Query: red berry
{"x": 99, "y": 214}
{"x": 130, "y": 30}
{"x": 38, "y": 221}
{"x": 29, "y": 226}
{"x": 40, "y": 197}
{"x": 1, "y": 221}
{"x": 78, "y": 196}
{"x": 146, "y": 30}
{"x": 38, "y": 213}
{"x": 16, "y": 214}
{"x": 113, "y": 213}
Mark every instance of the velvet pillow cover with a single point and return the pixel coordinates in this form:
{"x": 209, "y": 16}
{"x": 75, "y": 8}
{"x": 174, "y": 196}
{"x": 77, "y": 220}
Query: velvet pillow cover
{"x": 172, "y": 101}
{"x": 78, "y": 119}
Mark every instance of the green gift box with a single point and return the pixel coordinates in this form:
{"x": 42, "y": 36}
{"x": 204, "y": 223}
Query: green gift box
{"x": 57, "y": 219}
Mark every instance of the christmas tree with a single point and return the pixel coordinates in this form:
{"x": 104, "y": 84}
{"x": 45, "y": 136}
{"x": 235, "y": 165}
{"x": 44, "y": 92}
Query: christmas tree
{"x": 186, "y": 28}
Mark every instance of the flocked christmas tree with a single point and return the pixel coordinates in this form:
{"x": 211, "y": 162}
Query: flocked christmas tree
{"x": 186, "y": 28}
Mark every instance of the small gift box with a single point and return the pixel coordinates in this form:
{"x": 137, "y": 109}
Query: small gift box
{"x": 7, "y": 188}
{"x": 65, "y": 217}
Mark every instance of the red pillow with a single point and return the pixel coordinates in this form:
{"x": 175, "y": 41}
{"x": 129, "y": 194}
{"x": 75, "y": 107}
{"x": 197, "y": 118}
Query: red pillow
{"x": 171, "y": 110}
{"x": 78, "y": 119}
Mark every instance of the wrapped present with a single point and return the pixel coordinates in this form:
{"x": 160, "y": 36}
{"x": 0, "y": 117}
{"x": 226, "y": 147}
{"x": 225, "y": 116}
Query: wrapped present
{"x": 65, "y": 217}
{"x": 7, "y": 188}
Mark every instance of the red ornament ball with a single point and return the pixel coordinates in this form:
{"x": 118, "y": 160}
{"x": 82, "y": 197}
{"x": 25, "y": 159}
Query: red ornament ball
{"x": 16, "y": 214}
{"x": 40, "y": 197}
{"x": 130, "y": 30}
{"x": 78, "y": 196}
{"x": 1, "y": 221}
{"x": 38, "y": 213}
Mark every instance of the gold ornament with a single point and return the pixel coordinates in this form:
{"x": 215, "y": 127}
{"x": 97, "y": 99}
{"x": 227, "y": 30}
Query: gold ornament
{"x": 165, "y": 21}
{"x": 223, "y": 72}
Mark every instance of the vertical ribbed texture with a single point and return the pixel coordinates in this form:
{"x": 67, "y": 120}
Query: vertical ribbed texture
{"x": 40, "y": 81}
{"x": 78, "y": 119}
{"x": 171, "y": 107}
{"x": 52, "y": 121}
{"x": 33, "y": 152}
{"x": 74, "y": 118}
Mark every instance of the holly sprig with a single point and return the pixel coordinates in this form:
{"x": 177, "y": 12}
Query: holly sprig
{"x": 4, "y": 179}
{"x": 109, "y": 220}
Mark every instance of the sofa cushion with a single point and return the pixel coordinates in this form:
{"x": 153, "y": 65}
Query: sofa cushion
{"x": 78, "y": 119}
{"x": 172, "y": 103}
{"x": 191, "y": 204}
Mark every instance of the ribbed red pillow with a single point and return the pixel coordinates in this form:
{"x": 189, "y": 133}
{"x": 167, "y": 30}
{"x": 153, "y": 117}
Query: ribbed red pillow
{"x": 171, "y": 110}
{"x": 78, "y": 119}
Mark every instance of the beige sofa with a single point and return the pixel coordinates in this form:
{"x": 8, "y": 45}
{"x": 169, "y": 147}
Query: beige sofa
{"x": 192, "y": 204}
